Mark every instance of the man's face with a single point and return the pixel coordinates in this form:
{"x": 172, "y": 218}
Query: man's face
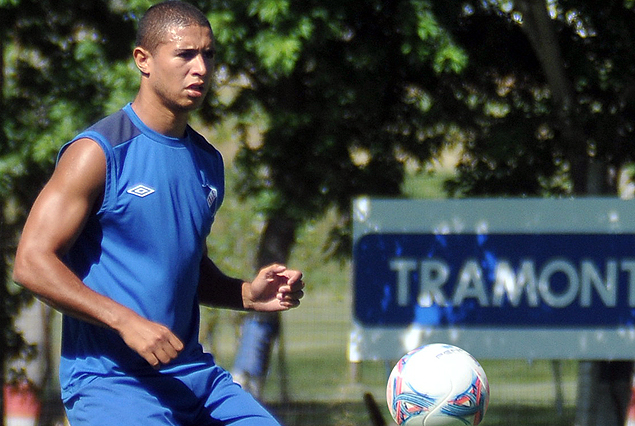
{"x": 181, "y": 67}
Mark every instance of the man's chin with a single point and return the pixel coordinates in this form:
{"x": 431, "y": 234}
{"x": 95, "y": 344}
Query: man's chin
{"x": 191, "y": 105}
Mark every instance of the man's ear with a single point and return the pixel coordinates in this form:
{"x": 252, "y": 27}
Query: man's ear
{"x": 142, "y": 58}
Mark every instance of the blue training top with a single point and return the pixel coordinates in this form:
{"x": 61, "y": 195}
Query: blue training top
{"x": 143, "y": 247}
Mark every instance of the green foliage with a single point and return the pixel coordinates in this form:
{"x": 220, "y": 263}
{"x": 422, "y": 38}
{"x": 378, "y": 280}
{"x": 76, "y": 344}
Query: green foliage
{"x": 63, "y": 66}
{"x": 336, "y": 82}
{"x": 594, "y": 38}
{"x": 61, "y": 70}
{"x": 372, "y": 86}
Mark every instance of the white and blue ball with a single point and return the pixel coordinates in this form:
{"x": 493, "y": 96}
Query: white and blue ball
{"x": 437, "y": 385}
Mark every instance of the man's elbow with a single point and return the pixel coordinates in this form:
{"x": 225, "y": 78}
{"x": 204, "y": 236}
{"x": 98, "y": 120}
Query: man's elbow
{"x": 20, "y": 270}
{"x": 24, "y": 267}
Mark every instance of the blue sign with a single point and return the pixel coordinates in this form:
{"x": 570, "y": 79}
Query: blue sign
{"x": 495, "y": 280}
{"x": 501, "y": 278}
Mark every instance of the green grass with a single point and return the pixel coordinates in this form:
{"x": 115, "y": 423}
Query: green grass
{"x": 356, "y": 414}
{"x": 318, "y": 378}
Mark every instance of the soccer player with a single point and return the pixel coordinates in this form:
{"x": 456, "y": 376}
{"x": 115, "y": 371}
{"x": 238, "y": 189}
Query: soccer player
{"x": 116, "y": 240}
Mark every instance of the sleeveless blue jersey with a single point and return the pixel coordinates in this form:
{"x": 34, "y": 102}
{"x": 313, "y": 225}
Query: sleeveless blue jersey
{"x": 142, "y": 248}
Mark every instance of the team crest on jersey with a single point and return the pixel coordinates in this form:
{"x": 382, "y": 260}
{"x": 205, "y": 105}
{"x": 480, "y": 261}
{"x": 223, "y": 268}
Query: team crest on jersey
{"x": 211, "y": 197}
{"x": 140, "y": 190}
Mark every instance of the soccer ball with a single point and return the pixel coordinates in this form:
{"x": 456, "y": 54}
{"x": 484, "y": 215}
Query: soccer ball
{"x": 437, "y": 385}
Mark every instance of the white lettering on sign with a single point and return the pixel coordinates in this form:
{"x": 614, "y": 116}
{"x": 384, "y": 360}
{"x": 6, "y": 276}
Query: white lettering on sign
{"x": 558, "y": 283}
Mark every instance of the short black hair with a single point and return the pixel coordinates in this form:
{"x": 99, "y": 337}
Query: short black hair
{"x": 161, "y": 17}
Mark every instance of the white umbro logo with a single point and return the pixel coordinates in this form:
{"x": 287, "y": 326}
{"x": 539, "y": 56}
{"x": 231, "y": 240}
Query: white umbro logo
{"x": 140, "y": 191}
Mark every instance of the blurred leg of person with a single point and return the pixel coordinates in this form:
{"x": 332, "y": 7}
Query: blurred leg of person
{"x": 22, "y": 400}
{"x": 258, "y": 334}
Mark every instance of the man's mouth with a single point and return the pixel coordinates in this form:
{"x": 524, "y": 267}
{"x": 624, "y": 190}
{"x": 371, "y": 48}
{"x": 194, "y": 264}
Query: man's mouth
{"x": 196, "y": 89}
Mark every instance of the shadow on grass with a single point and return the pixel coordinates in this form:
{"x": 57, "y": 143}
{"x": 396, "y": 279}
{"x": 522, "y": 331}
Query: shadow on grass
{"x": 356, "y": 414}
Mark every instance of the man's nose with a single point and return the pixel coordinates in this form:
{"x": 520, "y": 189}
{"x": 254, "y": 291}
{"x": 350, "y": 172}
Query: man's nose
{"x": 201, "y": 65}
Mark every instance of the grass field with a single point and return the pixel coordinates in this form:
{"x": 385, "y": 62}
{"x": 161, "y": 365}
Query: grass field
{"x": 318, "y": 387}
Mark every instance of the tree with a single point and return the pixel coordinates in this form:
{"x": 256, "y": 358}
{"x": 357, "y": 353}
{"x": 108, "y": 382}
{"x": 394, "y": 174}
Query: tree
{"x": 586, "y": 119}
{"x": 352, "y": 93}
{"x": 338, "y": 84}
{"x": 539, "y": 95}
{"x": 62, "y": 65}
{"x": 575, "y": 102}
{"x": 588, "y": 177}
{"x": 344, "y": 87}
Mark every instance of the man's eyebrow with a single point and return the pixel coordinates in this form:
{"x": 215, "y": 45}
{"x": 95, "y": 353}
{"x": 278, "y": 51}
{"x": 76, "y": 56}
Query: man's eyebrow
{"x": 194, "y": 49}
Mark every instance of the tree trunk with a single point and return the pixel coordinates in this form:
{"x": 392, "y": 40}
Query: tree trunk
{"x": 5, "y": 322}
{"x": 260, "y": 330}
{"x": 276, "y": 241}
{"x": 540, "y": 31}
{"x": 275, "y": 247}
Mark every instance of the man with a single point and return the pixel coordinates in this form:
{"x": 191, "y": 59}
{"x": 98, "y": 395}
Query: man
{"x": 116, "y": 241}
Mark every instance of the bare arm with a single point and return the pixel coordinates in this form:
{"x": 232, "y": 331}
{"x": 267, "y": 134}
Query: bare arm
{"x": 54, "y": 223}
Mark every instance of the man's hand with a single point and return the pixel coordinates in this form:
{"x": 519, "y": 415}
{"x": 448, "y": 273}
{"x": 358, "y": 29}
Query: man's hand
{"x": 275, "y": 288}
{"x": 154, "y": 342}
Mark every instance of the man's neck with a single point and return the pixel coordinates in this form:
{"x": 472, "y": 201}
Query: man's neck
{"x": 159, "y": 118}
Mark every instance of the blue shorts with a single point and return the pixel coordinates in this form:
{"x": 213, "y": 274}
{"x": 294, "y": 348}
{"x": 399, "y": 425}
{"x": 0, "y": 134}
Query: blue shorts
{"x": 203, "y": 394}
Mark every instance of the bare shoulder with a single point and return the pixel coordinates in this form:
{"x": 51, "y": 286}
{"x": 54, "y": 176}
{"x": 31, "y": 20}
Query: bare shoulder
{"x": 81, "y": 165}
{"x": 64, "y": 204}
